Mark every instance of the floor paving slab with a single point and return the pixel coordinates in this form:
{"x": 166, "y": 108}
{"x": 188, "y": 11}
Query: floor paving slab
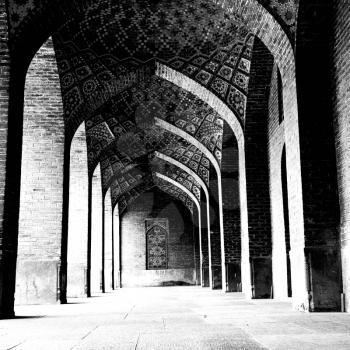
{"x": 172, "y": 318}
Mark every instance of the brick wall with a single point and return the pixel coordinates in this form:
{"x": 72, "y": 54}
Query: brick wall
{"x": 258, "y": 197}
{"x": 230, "y": 197}
{"x": 318, "y": 161}
{"x": 40, "y": 221}
{"x": 318, "y": 158}
{"x": 204, "y": 237}
{"x": 96, "y": 231}
{"x": 342, "y": 131}
{"x": 180, "y": 241}
{"x": 196, "y": 249}
{"x": 78, "y": 215}
{"x": 215, "y": 239}
{"x": 275, "y": 149}
{"x": 4, "y": 107}
{"x": 108, "y": 249}
{"x": 116, "y": 255}
{"x": 259, "y": 21}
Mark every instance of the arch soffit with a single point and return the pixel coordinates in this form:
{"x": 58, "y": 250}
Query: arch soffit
{"x": 181, "y": 187}
{"x": 175, "y": 130}
{"x": 185, "y": 168}
{"x": 116, "y": 201}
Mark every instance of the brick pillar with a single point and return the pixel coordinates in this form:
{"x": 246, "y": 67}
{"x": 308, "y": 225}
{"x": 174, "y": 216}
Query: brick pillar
{"x": 40, "y": 219}
{"x": 318, "y": 156}
{"x": 205, "y": 243}
{"x": 342, "y": 132}
{"x": 78, "y": 216}
{"x": 116, "y": 242}
{"x": 108, "y": 249}
{"x": 196, "y": 218}
{"x": 231, "y": 210}
{"x": 7, "y": 255}
{"x": 96, "y": 231}
{"x": 258, "y": 196}
{"x": 215, "y": 235}
{"x": 275, "y": 148}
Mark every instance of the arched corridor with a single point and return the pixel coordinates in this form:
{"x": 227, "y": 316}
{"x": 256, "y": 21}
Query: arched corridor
{"x": 167, "y": 143}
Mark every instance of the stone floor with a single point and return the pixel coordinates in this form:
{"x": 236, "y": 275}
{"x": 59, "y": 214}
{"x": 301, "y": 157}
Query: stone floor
{"x": 172, "y": 318}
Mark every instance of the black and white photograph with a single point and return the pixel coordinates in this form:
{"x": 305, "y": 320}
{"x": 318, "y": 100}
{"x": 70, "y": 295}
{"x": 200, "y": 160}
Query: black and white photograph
{"x": 174, "y": 174}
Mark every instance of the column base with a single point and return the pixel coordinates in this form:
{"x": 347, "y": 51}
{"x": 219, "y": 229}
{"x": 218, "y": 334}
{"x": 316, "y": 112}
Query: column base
{"x": 234, "y": 282}
{"x": 205, "y": 277}
{"x": 77, "y": 281}
{"x": 261, "y": 278}
{"x": 216, "y": 275}
{"x": 37, "y": 282}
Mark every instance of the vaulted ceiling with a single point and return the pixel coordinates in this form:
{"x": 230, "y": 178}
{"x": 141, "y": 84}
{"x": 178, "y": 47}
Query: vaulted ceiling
{"x": 107, "y": 54}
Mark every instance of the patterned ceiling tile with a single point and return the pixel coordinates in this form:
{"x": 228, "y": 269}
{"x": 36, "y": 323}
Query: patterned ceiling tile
{"x": 155, "y": 24}
{"x": 132, "y": 134}
{"x": 177, "y": 174}
{"x": 206, "y": 49}
{"x": 174, "y": 191}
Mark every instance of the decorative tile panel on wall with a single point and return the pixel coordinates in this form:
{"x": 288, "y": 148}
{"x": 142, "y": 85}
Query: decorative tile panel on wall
{"x": 157, "y": 232}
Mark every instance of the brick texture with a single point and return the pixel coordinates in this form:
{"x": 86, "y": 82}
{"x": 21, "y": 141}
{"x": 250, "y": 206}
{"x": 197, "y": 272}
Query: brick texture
{"x": 258, "y": 197}
{"x": 275, "y": 149}
{"x": 96, "y": 231}
{"x": 215, "y": 239}
{"x": 342, "y": 131}
{"x": 318, "y": 158}
{"x": 204, "y": 238}
{"x": 4, "y": 101}
{"x": 108, "y": 249}
{"x": 78, "y": 216}
{"x": 40, "y": 222}
{"x": 116, "y": 249}
{"x": 230, "y": 197}
{"x": 5, "y": 305}
{"x": 181, "y": 265}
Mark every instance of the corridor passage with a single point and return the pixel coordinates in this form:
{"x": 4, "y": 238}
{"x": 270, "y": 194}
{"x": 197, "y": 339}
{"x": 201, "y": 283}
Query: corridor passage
{"x": 172, "y": 318}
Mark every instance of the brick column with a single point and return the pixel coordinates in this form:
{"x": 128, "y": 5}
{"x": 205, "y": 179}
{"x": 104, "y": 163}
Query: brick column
{"x": 78, "y": 216}
{"x": 40, "y": 219}
{"x": 231, "y": 210}
{"x": 206, "y": 277}
{"x": 258, "y": 196}
{"x": 215, "y": 235}
{"x": 318, "y": 155}
{"x": 7, "y": 245}
{"x": 275, "y": 147}
{"x": 116, "y": 243}
{"x": 96, "y": 232}
{"x": 196, "y": 218}
{"x": 108, "y": 249}
{"x": 342, "y": 132}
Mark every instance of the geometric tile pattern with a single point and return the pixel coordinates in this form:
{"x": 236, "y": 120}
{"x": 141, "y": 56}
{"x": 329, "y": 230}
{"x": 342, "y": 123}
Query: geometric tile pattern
{"x": 149, "y": 182}
{"x": 225, "y": 73}
{"x": 285, "y": 12}
{"x": 174, "y": 191}
{"x": 177, "y": 174}
{"x": 157, "y": 232}
{"x": 125, "y": 181}
{"x": 106, "y": 58}
{"x": 192, "y": 157}
{"x": 215, "y": 52}
{"x": 162, "y": 99}
{"x": 22, "y": 13}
